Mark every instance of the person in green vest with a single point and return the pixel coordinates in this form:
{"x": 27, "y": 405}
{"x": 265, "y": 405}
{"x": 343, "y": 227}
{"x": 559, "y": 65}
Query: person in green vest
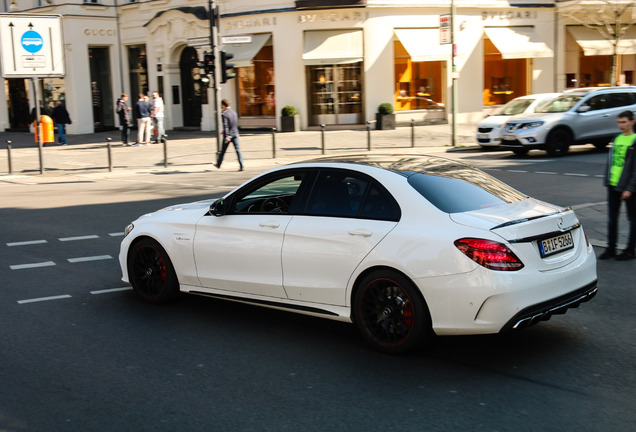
{"x": 620, "y": 180}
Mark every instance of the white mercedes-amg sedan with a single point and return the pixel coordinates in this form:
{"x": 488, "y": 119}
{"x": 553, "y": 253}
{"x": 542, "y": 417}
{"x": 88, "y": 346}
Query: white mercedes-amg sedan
{"x": 403, "y": 246}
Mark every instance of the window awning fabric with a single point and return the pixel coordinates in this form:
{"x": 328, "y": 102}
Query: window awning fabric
{"x": 593, "y": 43}
{"x": 244, "y": 53}
{"x": 423, "y": 44}
{"x": 332, "y": 47}
{"x": 518, "y": 42}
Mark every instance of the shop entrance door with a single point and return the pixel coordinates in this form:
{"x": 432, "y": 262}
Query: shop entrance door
{"x": 17, "y": 104}
{"x": 335, "y": 94}
{"x": 101, "y": 90}
{"x": 191, "y": 87}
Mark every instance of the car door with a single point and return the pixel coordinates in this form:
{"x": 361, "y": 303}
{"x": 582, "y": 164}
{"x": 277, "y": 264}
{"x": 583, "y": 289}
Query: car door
{"x": 595, "y": 122}
{"x": 346, "y": 215}
{"x": 240, "y": 250}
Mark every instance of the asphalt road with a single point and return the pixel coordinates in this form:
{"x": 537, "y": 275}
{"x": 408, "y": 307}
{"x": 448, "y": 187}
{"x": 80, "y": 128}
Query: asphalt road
{"x": 80, "y": 353}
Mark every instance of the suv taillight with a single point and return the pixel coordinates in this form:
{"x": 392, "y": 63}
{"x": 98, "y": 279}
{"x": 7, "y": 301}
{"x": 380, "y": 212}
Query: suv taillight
{"x": 490, "y": 254}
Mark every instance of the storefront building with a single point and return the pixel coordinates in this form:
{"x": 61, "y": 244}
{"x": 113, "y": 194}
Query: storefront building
{"x": 336, "y": 61}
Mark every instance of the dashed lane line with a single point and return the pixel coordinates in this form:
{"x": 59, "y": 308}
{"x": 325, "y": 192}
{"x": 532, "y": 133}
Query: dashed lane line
{"x": 40, "y": 299}
{"x": 26, "y": 243}
{"x": 116, "y": 234}
{"x": 86, "y": 237}
{"x": 89, "y": 258}
{"x": 32, "y": 265}
{"x": 111, "y": 290}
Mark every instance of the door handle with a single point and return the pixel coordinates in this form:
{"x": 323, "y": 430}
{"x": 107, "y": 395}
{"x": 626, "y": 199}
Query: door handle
{"x": 361, "y": 232}
{"x": 606, "y": 115}
{"x": 269, "y": 224}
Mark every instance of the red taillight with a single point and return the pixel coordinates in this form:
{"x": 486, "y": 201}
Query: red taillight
{"x": 490, "y": 254}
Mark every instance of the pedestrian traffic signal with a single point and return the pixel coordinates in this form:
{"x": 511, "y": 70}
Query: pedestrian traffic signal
{"x": 225, "y": 75}
{"x": 208, "y": 62}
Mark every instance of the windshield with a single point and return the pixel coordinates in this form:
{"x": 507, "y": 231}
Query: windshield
{"x": 560, "y": 104}
{"x": 516, "y": 106}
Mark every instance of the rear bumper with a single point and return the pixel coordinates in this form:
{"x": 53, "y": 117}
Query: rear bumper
{"x": 544, "y": 311}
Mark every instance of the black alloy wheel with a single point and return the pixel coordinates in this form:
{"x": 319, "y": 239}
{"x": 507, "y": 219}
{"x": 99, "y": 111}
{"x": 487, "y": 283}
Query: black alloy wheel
{"x": 390, "y": 313}
{"x": 558, "y": 142}
{"x": 151, "y": 273}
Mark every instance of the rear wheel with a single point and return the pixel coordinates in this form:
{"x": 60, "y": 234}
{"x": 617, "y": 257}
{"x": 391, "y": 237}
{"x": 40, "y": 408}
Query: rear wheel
{"x": 151, "y": 273}
{"x": 558, "y": 142}
{"x": 390, "y": 312}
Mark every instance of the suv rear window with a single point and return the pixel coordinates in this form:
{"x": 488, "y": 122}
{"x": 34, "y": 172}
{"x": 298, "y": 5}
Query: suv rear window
{"x": 463, "y": 189}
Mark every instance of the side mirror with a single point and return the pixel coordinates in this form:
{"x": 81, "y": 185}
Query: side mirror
{"x": 217, "y": 208}
{"x": 584, "y": 109}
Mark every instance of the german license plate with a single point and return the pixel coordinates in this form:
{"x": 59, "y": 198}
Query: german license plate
{"x": 483, "y": 136}
{"x": 556, "y": 244}
{"x": 509, "y": 137}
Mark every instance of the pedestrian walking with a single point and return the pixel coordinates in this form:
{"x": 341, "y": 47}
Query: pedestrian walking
{"x": 158, "y": 115}
{"x": 61, "y": 118}
{"x": 143, "y": 122}
{"x": 230, "y": 133}
{"x": 123, "y": 111}
{"x": 620, "y": 180}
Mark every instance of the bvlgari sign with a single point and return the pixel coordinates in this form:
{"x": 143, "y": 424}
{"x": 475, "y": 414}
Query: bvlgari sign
{"x": 509, "y": 14}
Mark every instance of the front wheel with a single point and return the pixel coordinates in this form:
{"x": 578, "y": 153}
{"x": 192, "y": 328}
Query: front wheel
{"x": 390, "y": 312}
{"x": 558, "y": 142}
{"x": 151, "y": 273}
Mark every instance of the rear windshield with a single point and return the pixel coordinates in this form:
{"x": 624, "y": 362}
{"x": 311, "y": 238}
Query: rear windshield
{"x": 463, "y": 189}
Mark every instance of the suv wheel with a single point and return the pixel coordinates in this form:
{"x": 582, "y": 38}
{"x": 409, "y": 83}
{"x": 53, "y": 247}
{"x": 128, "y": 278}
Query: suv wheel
{"x": 558, "y": 142}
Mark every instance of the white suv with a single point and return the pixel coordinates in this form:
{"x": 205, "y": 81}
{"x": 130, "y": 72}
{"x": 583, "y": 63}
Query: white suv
{"x": 578, "y": 116}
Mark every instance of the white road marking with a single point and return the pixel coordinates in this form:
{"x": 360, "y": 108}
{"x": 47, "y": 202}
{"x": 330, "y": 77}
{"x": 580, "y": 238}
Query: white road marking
{"x": 26, "y": 243}
{"x": 86, "y": 237}
{"x": 576, "y": 174}
{"x": 106, "y": 291}
{"x": 545, "y": 172}
{"x": 517, "y": 171}
{"x": 90, "y": 258}
{"x": 116, "y": 234}
{"x": 33, "y": 300}
{"x": 32, "y": 265}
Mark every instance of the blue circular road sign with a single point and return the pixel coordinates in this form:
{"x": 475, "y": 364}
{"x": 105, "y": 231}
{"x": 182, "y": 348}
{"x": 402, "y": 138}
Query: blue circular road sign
{"x": 32, "y": 41}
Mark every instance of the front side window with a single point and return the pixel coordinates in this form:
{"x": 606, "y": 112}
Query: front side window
{"x": 278, "y": 195}
{"x": 560, "y": 104}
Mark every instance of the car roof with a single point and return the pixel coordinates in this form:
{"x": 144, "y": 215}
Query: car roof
{"x": 585, "y": 90}
{"x": 401, "y": 163}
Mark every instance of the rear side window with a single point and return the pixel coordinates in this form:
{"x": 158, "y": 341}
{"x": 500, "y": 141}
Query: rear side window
{"x": 463, "y": 190}
{"x": 621, "y": 99}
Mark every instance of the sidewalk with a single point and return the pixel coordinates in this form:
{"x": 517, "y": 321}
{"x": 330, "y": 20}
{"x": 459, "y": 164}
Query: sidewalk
{"x": 192, "y": 151}
{"x": 194, "y": 148}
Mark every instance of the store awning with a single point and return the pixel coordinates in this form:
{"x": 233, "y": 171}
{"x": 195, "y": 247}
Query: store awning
{"x": 593, "y": 43}
{"x": 332, "y": 47}
{"x": 423, "y": 44}
{"x": 518, "y": 42}
{"x": 244, "y": 53}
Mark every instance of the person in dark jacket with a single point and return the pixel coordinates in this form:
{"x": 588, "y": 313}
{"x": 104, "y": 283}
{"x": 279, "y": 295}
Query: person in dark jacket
{"x": 60, "y": 118}
{"x": 620, "y": 180}
{"x": 123, "y": 111}
{"x": 230, "y": 133}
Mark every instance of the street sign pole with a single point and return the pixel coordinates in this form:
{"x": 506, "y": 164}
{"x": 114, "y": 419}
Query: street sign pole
{"x": 38, "y": 123}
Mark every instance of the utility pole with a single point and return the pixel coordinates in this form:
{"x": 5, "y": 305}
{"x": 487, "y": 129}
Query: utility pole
{"x": 214, "y": 39}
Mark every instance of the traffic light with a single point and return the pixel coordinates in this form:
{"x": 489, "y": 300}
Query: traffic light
{"x": 225, "y": 75}
{"x": 208, "y": 62}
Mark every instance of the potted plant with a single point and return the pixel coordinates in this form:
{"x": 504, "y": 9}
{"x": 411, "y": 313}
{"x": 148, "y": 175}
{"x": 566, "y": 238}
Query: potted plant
{"x": 384, "y": 118}
{"x": 290, "y": 120}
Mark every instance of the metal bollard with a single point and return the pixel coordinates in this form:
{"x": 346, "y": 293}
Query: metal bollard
{"x": 110, "y": 154}
{"x": 369, "y": 135}
{"x": 273, "y": 143}
{"x": 164, "y": 140}
{"x": 412, "y": 132}
{"x": 9, "y": 156}
{"x": 322, "y": 137}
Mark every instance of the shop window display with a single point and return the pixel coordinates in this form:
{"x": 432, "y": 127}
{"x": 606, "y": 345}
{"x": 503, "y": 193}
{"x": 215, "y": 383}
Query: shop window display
{"x": 418, "y": 84}
{"x": 504, "y": 79}
{"x": 256, "y": 85}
